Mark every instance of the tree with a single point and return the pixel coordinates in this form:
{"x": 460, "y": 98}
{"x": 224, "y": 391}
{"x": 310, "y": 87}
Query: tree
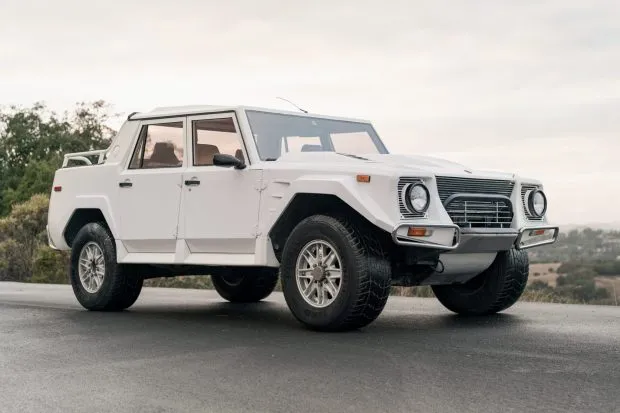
{"x": 33, "y": 141}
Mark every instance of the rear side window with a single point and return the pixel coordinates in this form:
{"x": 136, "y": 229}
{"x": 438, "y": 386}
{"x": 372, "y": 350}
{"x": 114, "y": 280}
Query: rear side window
{"x": 159, "y": 146}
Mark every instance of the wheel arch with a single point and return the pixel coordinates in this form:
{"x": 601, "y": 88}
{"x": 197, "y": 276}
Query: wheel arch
{"x": 303, "y": 205}
{"x": 81, "y": 217}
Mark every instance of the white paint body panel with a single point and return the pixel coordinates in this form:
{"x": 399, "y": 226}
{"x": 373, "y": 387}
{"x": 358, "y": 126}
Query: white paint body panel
{"x": 226, "y": 219}
{"x": 149, "y": 209}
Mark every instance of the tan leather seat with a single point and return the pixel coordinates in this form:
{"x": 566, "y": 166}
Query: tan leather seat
{"x": 163, "y": 155}
{"x": 204, "y": 154}
{"x": 239, "y": 155}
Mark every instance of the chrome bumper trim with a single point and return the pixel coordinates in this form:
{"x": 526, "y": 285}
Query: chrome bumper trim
{"x": 536, "y": 244}
{"x": 475, "y": 239}
{"x": 427, "y": 244}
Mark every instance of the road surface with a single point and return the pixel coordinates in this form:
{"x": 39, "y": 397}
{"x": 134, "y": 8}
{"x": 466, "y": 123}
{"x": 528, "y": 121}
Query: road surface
{"x": 189, "y": 351}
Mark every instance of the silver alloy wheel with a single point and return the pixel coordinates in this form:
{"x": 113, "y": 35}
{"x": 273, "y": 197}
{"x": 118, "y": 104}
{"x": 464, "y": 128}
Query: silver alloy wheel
{"x": 319, "y": 273}
{"x": 91, "y": 268}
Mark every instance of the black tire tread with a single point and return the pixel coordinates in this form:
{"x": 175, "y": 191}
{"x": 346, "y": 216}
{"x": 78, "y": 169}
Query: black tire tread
{"x": 510, "y": 270}
{"x": 374, "y": 291}
{"x": 257, "y": 284}
{"x": 516, "y": 270}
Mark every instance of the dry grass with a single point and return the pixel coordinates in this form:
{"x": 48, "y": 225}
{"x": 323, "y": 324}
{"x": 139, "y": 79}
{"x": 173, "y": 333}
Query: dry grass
{"x": 544, "y": 297}
{"x": 611, "y": 284}
{"x": 540, "y": 272}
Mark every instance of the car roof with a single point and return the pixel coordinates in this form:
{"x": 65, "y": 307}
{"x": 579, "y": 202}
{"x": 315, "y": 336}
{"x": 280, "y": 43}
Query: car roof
{"x": 176, "y": 111}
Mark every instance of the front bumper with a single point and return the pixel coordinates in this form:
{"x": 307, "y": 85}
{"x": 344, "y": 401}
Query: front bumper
{"x": 470, "y": 240}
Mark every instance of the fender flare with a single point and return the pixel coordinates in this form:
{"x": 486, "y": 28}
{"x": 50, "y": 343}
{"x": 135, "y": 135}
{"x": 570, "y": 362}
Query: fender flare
{"x": 99, "y": 202}
{"x": 344, "y": 187}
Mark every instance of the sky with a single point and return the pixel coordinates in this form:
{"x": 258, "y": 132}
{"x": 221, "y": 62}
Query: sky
{"x": 530, "y": 87}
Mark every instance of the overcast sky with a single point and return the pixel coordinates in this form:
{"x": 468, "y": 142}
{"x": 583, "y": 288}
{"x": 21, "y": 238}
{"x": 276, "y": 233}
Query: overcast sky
{"x": 531, "y": 87}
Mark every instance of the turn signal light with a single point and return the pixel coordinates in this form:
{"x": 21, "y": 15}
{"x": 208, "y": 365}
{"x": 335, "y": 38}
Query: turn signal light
{"x": 418, "y": 232}
{"x": 363, "y": 178}
{"x": 537, "y": 232}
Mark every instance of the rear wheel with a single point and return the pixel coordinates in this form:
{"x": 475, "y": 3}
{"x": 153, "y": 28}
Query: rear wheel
{"x": 98, "y": 281}
{"x": 494, "y": 290}
{"x": 334, "y": 275}
{"x": 247, "y": 286}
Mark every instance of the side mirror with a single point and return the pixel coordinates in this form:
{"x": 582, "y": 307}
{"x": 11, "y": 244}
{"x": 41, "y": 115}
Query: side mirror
{"x": 223, "y": 159}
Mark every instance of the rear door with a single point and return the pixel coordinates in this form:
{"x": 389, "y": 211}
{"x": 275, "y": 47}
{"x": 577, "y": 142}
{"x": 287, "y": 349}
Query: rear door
{"x": 150, "y": 189}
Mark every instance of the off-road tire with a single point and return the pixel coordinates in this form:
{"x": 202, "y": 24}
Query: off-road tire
{"x": 120, "y": 289}
{"x": 366, "y": 274}
{"x": 254, "y": 285}
{"x": 495, "y": 289}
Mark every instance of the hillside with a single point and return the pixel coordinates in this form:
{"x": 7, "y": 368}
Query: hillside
{"x": 580, "y": 245}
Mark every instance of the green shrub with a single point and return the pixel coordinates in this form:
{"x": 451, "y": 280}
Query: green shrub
{"x": 13, "y": 261}
{"x": 50, "y": 267}
{"x": 193, "y": 281}
{"x": 539, "y": 286}
{"x": 420, "y": 291}
{"x": 22, "y": 233}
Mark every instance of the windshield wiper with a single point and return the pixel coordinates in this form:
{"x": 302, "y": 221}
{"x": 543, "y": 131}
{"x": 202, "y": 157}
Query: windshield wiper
{"x": 352, "y": 156}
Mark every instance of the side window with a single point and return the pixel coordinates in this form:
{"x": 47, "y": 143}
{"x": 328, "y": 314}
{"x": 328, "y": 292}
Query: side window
{"x": 213, "y": 136}
{"x": 159, "y": 146}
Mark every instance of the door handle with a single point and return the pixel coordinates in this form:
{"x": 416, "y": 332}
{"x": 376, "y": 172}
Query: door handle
{"x": 192, "y": 182}
{"x": 125, "y": 184}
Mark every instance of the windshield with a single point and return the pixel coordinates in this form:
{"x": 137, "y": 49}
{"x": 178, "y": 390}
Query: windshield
{"x": 276, "y": 134}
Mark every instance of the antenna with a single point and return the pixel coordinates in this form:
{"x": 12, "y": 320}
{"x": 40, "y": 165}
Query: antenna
{"x": 286, "y": 100}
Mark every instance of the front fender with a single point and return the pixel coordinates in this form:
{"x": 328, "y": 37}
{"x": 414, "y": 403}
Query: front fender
{"x": 371, "y": 200}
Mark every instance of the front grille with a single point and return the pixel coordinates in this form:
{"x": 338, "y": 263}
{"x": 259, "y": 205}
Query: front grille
{"x": 448, "y": 186}
{"x": 524, "y": 189}
{"x": 480, "y": 212}
{"x": 404, "y": 211}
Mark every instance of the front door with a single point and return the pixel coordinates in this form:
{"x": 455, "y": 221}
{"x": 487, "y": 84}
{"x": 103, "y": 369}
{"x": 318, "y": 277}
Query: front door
{"x": 219, "y": 207}
{"x": 150, "y": 190}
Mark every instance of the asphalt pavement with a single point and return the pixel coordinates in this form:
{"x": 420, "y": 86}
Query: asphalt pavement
{"x": 190, "y": 351}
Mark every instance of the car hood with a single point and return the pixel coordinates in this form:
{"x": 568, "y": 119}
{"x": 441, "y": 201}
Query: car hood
{"x": 410, "y": 164}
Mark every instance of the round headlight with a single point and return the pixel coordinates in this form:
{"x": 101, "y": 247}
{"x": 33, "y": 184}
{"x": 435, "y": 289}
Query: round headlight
{"x": 537, "y": 203}
{"x": 418, "y": 198}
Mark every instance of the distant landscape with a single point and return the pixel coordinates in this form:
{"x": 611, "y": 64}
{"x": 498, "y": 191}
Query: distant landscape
{"x": 583, "y": 267}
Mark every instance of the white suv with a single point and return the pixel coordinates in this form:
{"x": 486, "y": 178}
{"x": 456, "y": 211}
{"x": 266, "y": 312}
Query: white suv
{"x": 247, "y": 194}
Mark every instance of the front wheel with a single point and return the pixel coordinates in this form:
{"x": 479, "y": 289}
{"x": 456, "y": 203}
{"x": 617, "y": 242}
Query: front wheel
{"x": 494, "y": 290}
{"x": 98, "y": 281}
{"x": 334, "y": 275}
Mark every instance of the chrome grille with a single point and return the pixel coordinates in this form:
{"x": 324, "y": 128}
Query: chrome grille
{"x": 404, "y": 211}
{"x": 447, "y": 185}
{"x": 483, "y": 213}
{"x": 524, "y": 189}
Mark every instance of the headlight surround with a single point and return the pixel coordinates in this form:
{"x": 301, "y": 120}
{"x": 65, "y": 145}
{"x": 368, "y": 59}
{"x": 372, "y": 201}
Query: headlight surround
{"x": 537, "y": 203}
{"x": 417, "y": 198}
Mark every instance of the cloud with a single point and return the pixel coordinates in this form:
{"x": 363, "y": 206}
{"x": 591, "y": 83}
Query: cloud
{"x": 530, "y": 86}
